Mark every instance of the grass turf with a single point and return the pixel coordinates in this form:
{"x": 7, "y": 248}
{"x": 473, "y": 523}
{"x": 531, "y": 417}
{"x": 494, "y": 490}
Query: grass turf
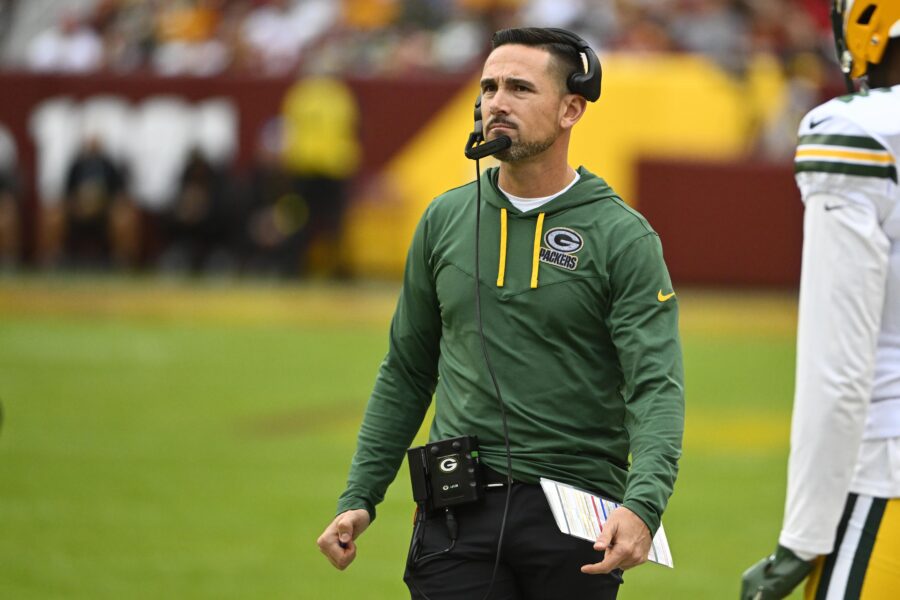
{"x": 189, "y": 441}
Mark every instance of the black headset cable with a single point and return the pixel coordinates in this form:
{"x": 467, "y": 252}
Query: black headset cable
{"x": 490, "y": 367}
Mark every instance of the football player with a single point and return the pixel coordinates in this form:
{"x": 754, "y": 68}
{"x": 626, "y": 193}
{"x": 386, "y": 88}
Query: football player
{"x": 841, "y": 524}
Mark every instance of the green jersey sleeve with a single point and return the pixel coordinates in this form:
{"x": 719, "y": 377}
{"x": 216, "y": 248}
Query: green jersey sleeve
{"x": 644, "y": 326}
{"x": 404, "y": 385}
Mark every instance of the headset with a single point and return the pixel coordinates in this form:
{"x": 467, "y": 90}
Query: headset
{"x": 586, "y": 84}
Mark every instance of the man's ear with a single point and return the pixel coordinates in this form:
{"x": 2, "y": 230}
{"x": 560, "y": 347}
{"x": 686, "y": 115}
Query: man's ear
{"x": 571, "y": 110}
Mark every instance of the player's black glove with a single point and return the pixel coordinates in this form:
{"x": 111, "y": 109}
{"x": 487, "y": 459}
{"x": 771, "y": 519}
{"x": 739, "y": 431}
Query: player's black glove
{"x": 775, "y": 576}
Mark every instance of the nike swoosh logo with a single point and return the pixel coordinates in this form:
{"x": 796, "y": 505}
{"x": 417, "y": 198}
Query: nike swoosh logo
{"x": 814, "y": 124}
{"x": 663, "y": 297}
{"x": 835, "y": 206}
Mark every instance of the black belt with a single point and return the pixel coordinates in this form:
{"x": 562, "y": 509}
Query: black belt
{"x": 492, "y": 479}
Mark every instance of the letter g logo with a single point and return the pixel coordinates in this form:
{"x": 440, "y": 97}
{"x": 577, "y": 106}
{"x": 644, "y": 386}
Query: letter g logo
{"x": 448, "y": 465}
{"x": 564, "y": 239}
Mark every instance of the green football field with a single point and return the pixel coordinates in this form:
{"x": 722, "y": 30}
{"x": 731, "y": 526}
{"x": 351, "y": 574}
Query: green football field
{"x": 188, "y": 440}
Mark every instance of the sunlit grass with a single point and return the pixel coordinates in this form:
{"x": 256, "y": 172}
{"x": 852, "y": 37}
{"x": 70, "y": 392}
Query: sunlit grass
{"x": 189, "y": 440}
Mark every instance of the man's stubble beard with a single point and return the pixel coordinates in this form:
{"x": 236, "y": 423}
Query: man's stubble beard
{"x": 524, "y": 150}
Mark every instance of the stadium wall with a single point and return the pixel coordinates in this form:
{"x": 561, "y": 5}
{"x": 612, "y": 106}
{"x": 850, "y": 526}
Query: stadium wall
{"x": 653, "y": 115}
{"x": 388, "y": 120}
{"x": 725, "y": 223}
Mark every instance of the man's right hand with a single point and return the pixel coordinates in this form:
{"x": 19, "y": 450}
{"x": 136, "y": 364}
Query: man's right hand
{"x": 337, "y": 542}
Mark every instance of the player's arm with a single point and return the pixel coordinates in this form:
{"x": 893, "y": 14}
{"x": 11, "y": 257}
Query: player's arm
{"x": 644, "y": 326}
{"x": 845, "y": 258}
{"x": 401, "y": 396}
{"x": 844, "y": 175}
{"x": 845, "y": 255}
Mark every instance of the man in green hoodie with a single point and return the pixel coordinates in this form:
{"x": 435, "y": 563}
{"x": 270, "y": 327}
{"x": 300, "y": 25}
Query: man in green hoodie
{"x": 581, "y": 326}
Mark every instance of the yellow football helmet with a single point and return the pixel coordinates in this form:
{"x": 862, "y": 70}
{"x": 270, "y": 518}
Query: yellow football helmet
{"x": 862, "y": 29}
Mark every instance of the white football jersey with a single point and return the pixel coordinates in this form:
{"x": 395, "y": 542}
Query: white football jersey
{"x": 850, "y": 147}
{"x": 846, "y": 421}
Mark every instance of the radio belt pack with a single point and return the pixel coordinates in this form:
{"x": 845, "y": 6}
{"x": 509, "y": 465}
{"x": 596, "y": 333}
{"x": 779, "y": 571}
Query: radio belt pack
{"x": 445, "y": 473}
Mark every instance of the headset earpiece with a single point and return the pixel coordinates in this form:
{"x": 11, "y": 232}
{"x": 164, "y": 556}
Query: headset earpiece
{"x": 586, "y": 84}
{"x": 479, "y": 130}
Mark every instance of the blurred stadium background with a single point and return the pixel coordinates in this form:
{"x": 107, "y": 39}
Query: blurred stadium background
{"x": 204, "y": 211}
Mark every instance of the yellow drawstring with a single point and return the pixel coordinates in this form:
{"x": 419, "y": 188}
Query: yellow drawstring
{"x": 535, "y": 258}
{"x": 501, "y": 270}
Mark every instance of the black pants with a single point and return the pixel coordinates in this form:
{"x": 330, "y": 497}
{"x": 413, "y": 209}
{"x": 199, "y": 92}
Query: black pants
{"x": 537, "y": 561}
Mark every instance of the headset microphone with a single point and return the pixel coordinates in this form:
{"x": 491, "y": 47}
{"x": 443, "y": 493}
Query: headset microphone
{"x": 476, "y": 151}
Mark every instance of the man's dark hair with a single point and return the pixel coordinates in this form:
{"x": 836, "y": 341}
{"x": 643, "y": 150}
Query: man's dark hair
{"x": 566, "y": 59}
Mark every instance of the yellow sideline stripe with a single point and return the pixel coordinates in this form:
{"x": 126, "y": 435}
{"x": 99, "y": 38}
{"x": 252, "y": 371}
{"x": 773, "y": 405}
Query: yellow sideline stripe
{"x": 877, "y": 157}
{"x": 706, "y": 313}
{"x": 201, "y": 303}
{"x": 737, "y": 432}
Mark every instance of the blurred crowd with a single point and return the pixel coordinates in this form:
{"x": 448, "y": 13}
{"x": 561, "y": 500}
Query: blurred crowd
{"x": 101, "y": 204}
{"x": 377, "y": 37}
{"x": 264, "y": 219}
{"x": 157, "y": 184}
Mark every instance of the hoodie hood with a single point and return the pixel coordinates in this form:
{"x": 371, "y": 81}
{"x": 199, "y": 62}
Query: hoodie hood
{"x": 580, "y": 193}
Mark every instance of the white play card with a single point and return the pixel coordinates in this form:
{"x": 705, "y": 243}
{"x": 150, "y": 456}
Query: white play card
{"x": 583, "y": 515}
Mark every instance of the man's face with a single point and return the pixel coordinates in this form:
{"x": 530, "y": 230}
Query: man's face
{"x": 521, "y": 99}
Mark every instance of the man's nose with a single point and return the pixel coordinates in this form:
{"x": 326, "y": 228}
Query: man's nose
{"x": 498, "y": 104}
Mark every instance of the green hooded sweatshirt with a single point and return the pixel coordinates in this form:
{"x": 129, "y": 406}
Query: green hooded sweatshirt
{"x": 581, "y": 325}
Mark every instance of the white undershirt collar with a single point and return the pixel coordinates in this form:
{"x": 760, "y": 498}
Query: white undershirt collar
{"x": 526, "y": 204}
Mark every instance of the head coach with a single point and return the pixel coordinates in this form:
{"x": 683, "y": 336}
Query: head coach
{"x": 564, "y": 363}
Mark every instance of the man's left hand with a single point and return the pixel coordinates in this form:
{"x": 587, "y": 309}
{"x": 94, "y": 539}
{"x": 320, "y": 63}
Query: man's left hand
{"x": 775, "y": 576}
{"x": 626, "y": 541}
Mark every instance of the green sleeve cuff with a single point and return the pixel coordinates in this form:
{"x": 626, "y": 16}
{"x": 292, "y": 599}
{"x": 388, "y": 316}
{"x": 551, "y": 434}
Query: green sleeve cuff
{"x": 649, "y": 516}
{"x": 345, "y": 504}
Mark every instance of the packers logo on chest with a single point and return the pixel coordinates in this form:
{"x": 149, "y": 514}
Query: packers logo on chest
{"x": 560, "y": 246}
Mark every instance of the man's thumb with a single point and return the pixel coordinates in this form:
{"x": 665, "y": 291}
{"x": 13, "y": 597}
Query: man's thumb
{"x": 345, "y": 530}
